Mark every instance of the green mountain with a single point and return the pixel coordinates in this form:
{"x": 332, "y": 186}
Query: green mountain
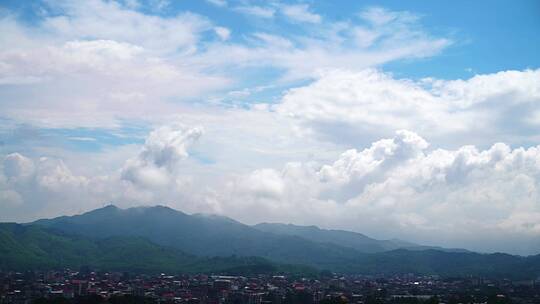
{"x": 160, "y": 237}
{"x": 354, "y": 240}
{"x": 32, "y": 247}
{"x": 201, "y": 235}
{"x": 449, "y": 264}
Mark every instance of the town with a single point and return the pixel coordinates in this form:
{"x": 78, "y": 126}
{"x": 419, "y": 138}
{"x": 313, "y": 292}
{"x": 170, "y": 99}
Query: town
{"x": 86, "y": 286}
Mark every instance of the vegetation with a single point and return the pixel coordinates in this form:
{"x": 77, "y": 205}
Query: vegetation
{"x": 163, "y": 239}
{"x": 36, "y": 248}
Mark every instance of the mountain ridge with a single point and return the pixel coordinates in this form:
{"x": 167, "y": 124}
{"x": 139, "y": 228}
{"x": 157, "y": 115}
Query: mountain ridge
{"x": 30, "y": 247}
{"x": 219, "y": 237}
{"x": 347, "y": 238}
{"x": 204, "y": 236}
{"x": 375, "y": 245}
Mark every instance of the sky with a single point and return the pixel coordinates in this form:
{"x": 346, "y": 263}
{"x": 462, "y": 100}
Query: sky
{"x": 411, "y": 120}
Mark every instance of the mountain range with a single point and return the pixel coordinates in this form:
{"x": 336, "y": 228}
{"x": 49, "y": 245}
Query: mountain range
{"x": 163, "y": 239}
{"x": 32, "y": 247}
{"x": 354, "y": 240}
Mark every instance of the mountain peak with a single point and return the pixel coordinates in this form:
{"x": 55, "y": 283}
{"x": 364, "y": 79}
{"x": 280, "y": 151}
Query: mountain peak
{"x": 110, "y": 207}
{"x": 105, "y": 209}
{"x": 157, "y": 209}
{"x": 213, "y": 216}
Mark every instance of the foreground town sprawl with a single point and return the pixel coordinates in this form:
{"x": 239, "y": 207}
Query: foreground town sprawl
{"x": 114, "y": 287}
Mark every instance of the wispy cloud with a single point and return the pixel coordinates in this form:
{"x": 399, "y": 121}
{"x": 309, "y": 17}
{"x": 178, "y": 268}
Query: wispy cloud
{"x": 78, "y": 138}
{"x": 300, "y": 13}
{"x": 223, "y": 32}
{"x": 256, "y": 11}
{"x": 220, "y": 3}
{"x": 335, "y": 44}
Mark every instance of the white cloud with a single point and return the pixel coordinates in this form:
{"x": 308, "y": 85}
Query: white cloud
{"x": 256, "y": 11}
{"x": 399, "y": 188}
{"x": 159, "y": 5}
{"x": 98, "y": 63}
{"x": 158, "y": 161}
{"x": 109, "y": 20}
{"x": 343, "y": 106}
{"x": 379, "y": 16}
{"x": 300, "y": 13}
{"x": 17, "y": 167}
{"x": 223, "y": 32}
{"x": 365, "y": 37}
{"x": 339, "y": 44}
{"x": 45, "y": 186}
{"x": 167, "y": 145}
{"x": 132, "y": 4}
{"x": 265, "y": 183}
{"x": 96, "y": 83}
{"x": 10, "y": 199}
{"x": 101, "y": 63}
{"x": 54, "y": 176}
{"x": 82, "y": 138}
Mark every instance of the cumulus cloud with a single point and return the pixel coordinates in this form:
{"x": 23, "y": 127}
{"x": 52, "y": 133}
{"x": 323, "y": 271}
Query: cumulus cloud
{"x": 40, "y": 186}
{"x": 46, "y": 186}
{"x": 345, "y": 106}
{"x": 398, "y": 187}
{"x": 17, "y": 167}
{"x": 157, "y": 163}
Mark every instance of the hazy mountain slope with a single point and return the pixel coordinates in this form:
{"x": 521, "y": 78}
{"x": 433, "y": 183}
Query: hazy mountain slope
{"x": 32, "y": 247}
{"x": 113, "y": 238}
{"x": 118, "y": 231}
{"x": 449, "y": 264}
{"x": 354, "y": 240}
{"x": 200, "y": 235}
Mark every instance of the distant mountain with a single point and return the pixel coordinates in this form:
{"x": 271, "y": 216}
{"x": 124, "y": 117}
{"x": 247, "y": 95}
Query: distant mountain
{"x": 449, "y": 264}
{"x": 354, "y": 240}
{"x": 33, "y": 247}
{"x": 168, "y": 237}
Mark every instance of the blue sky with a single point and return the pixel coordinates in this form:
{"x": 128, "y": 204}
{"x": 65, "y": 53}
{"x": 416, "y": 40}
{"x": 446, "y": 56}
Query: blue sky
{"x": 417, "y": 120}
{"x": 486, "y": 37}
{"x": 488, "y": 34}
